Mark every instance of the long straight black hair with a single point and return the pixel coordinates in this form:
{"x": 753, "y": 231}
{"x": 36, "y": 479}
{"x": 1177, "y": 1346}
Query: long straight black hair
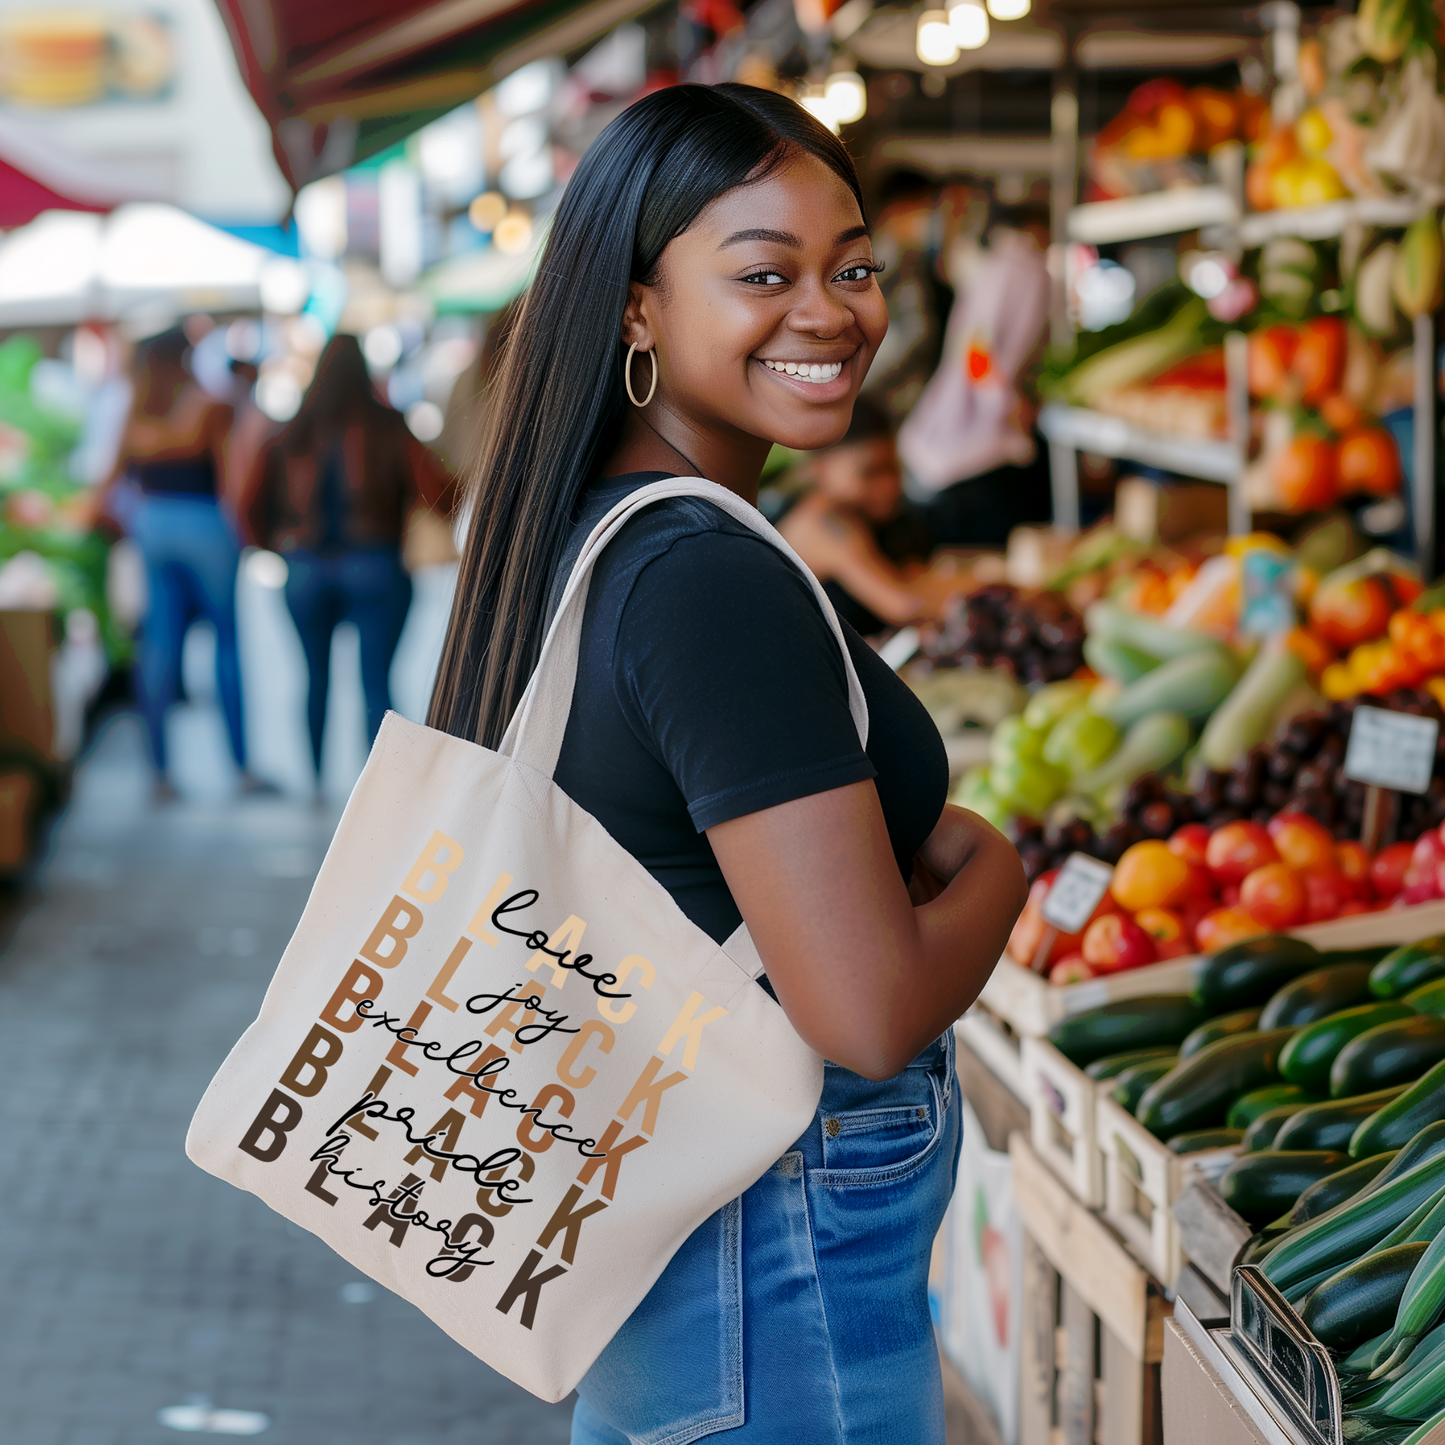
{"x": 556, "y": 401}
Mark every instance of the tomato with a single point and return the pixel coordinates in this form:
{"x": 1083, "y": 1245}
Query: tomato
{"x": 1149, "y": 875}
{"x": 1340, "y": 413}
{"x": 1326, "y": 892}
{"x": 1352, "y": 861}
{"x": 1114, "y": 943}
{"x": 1301, "y": 842}
{"x": 1225, "y": 926}
{"x": 1167, "y": 930}
{"x": 1216, "y": 114}
{"x": 1145, "y": 99}
{"x": 1387, "y": 869}
{"x": 1319, "y": 359}
{"x": 1368, "y": 461}
{"x": 1028, "y": 931}
{"x": 1305, "y": 474}
{"x": 1229, "y": 895}
{"x": 1270, "y": 353}
{"x": 1190, "y": 841}
{"x": 1275, "y": 895}
{"x": 1191, "y": 911}
{"x": 1237, "y": 849}
{"x": 1070, "y": 969}
{"x": 1348, "y": 613}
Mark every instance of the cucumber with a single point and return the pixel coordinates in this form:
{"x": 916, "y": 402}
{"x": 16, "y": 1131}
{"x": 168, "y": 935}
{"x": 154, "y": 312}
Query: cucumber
{"x": 1197, "y": 1092}
{"x": 1371, "y": 955}
{"x": 1117, "y": 660}
{"x": 1349, "y": 1229}
{"x": 1331, "y": 1125}
{"x": 1146, "y": 634}
{"x": 1407, "y": 967}
{"x": 1413, "y": 1119}
{"x": 1261, "y": 1134}
{"x": 1248, "y": 1107}
{"x": 1260, "y": 1187}
{"x": 1113, "y": 1064}
{"x": 1338, "y": 1187}
{"x": 1390, "y": 1053}
{"x": 1193, "y": 686}
{"x": 1129, "y": 1086}
{"x": 1429, "y": 998}
{"x": 1154, "y": 742}
{"x": 1316, "y": 995}
{"x": 1243, "y": 718}
{"x": 1307, "y": 1059}
{"x": 1362, "y": 1298}
{"x": 1241, "y": 1022}
{"x": 1197, "y": 1140}
{"x": 1150, "y": 1021}
{"x": 1251, "y": 972}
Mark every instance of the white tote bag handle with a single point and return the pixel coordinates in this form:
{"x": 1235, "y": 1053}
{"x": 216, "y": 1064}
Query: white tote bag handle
{"x": 534, "y": 735}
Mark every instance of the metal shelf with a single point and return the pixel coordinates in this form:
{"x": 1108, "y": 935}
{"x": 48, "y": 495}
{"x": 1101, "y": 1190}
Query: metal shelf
{"x": 1159, "y": 213}
{"x": 1319, "y": 223}
{"x": 1109, "y": 436}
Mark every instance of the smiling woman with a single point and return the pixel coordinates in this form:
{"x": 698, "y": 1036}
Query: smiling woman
{"x": 765, "y": 775}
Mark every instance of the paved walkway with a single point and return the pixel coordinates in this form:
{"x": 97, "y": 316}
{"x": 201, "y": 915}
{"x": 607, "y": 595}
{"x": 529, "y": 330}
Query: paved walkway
{"x": 130, "y": 1281}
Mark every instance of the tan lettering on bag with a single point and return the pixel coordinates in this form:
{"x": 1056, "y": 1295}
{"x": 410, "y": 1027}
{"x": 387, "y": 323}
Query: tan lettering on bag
{"x": 347, "y": 992}
{"x": 647, "y": 1091}
{"x": 614, "y": 1009}
{"x": 399, "y": 923}
{"x": 441, "y": 856}
{"x": 567, "y": 1069}
{"x": 564, "y": 941}
{"x": 685, "y": 1025}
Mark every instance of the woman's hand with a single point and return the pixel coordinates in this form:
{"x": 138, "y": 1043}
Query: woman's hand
{"x": 865, "y": 976}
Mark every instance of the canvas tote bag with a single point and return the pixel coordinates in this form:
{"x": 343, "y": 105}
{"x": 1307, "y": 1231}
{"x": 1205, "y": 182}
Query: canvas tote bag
{"x": 498, "y": 1070}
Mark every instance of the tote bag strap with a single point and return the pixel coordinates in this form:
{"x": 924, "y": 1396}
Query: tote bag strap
{"x": 534, "y": 734}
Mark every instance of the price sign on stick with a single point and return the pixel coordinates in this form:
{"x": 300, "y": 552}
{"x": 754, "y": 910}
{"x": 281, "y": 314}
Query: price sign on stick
{"x": 1071, "y": 901}
{"x": 1388, "y": 750}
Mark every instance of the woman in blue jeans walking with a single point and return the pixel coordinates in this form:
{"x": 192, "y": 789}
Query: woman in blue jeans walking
{"x": 332, "y": 493}
{"x": 720, "y": 233}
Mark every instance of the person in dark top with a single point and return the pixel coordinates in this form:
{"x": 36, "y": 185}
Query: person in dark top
{"x": 860, "y": 537}
{"x": 173, "y": 450}
{"x": 719, "y": 232}
{"x": 332, "y": 493}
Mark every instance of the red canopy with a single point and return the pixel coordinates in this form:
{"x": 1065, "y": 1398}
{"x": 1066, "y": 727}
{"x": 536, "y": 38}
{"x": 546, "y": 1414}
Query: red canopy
{"x": 339, "y": 80}
{"x": 22, "y": 198}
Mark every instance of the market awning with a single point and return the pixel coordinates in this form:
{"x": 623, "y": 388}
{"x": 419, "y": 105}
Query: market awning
{"x": 339, "y": 80}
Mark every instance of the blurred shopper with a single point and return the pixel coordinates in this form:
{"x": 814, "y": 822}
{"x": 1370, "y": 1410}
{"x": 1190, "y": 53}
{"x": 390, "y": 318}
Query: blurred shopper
{"x": 862, "y": 540}
{"x": 332, "y": 493}
{"x": 172, "y": 452}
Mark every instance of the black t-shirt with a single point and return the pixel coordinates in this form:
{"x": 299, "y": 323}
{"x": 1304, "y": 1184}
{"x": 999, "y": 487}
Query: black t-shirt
{"x": 709, "y": 685}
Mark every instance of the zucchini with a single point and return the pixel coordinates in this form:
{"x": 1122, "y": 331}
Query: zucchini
{"x": 1371, "y": 954}
{"x": 1316, "y": 995}
{"x": 1192, "y": 686}
{"x": 1421, "y": 1303}
{"x": 1197, "y": 1140}
{"x": 1425, "y": 1144}
{"x": 1416, "y": 1117}
{"x": 1197, "y": 1092}
{"x": 1251, "y": 972}
{"x": 1349, "y": 1229}
{"x": 1361, "y": 1299}
{"x": 1113, "y": 1064}
{"x": 1261, "y": 1134}
{"x": 1117, "y": 660}
{"x": 1331, "y": 1125}
{"x": 1420, "y": 1228}
{"x": 1147, "y": 634}
{"x": 1336, "y": 1188}
{"x": 1261, "y": 1187}
{"x": 1390, "y": 1053}
{"x": 1419, "y": 1436}
{"x": 1129, "y": 1086}
{"x": 1307, "y": 1059}
{"x": 1407, "y": 967}
{"x": 1429, "y": 998}
{"x": 1248, "y": 1107}
{"x": 1243, "y": 1021}
{"x": 1244, "y": 717}
{"x": 1150, "y": 1021}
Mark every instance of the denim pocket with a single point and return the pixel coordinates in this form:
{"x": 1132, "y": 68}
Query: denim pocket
{"x": 881, "y": 1146}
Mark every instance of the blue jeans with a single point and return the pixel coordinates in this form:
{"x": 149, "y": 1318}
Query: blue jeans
{"x": 799, "y": 1312}
{"x": 191, "y": 556}
{"x": 364, "y": 585}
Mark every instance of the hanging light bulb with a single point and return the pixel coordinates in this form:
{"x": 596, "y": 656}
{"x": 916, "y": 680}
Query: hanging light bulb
{"x": 936, "y": 42}
{"x": 969, "y": 23}
{"x": 1009, "y": 9}
{"x": 847, "y": 96}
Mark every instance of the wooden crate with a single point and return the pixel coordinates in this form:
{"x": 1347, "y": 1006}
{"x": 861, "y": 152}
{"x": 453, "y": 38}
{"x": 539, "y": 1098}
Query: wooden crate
{"x": 1141, "y": 1181}
{"x": 1093, "y": 1330}
{"x": 1061, "y": 1098}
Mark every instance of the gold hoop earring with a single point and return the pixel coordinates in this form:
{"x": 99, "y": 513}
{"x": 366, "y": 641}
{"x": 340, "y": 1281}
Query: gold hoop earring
{"x": 627, "y": 377}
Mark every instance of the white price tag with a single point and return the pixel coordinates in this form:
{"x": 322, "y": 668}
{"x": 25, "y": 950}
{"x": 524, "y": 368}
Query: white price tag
{"x": 1391, "y": 749}
{"x": 1076, "y": 892}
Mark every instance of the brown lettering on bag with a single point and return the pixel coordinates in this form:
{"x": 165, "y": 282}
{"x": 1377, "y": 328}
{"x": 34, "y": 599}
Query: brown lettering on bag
{"x": 317, "y": 1053}
{"x": 458, "y": 1237}
{"x": 565, "y": 940}
{"x": 436, "y": 990}
{"x": 687, "y": 1026}
{"x": 566, "y": 1217}
{"x": 397, "y": 1053}
{"x": 527, "y": 1286}
{"x": 490, "y": 1201}
{"x": 483, "y": 916}
{"x": 648, "y": 1091}
{"x": 432, "y": 862}
{"x": 279, "y": 1115}
{"x": 608, "y": 1145}
{"x": 527, "y": 1135}
{"x": 465, "y": 1087}
{"x": 399, "y": 923}
{"x": 360, "y": 982}
{"x": 358, "y": 1120}
{"x": 567, "y": 1069}
{"x": 317, "y": 1185}
{"x": 515, "y": 1014}
{"x": 383, "y": 1216}
{"x": 449, "y": 1126}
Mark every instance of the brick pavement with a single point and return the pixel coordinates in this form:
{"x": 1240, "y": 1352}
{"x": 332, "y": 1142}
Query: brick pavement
{"x": 129, "y": 1280}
